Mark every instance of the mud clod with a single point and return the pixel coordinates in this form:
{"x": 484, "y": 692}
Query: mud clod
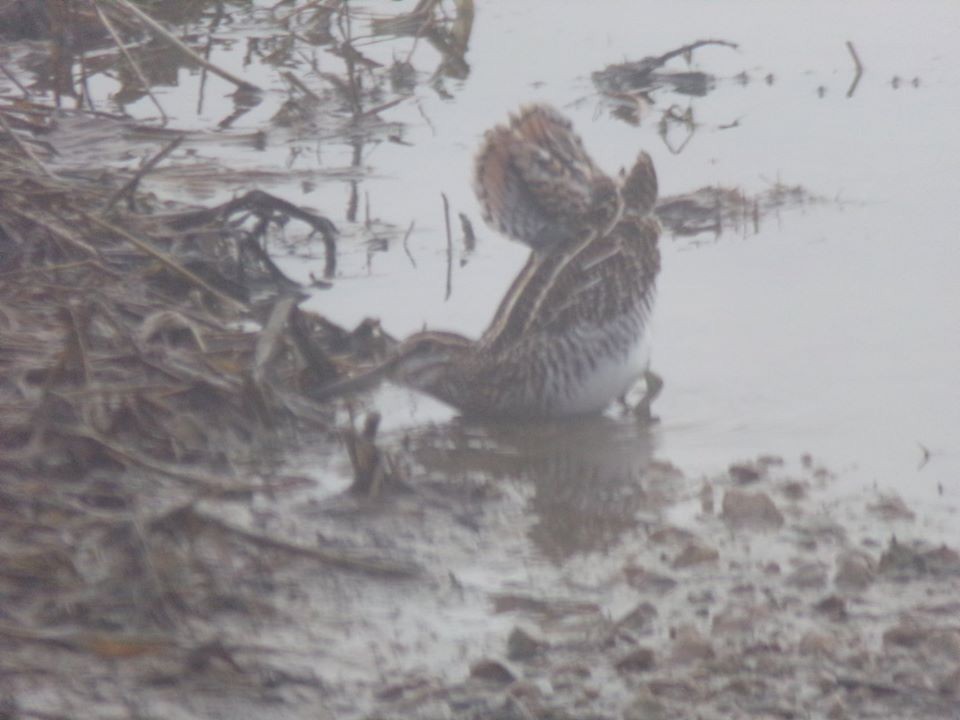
{"x": 750, "y": 511}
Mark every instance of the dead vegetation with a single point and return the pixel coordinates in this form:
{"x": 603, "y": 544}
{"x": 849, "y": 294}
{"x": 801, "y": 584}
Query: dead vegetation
{"x": 630, "y": 87}
{"x": 126, "y": 326}
{"x": 715, "y": 210}
{"x": 150, "y": 362}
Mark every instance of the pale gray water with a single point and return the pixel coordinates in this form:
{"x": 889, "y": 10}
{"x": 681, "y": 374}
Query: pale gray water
{"x": 833, "y": 330}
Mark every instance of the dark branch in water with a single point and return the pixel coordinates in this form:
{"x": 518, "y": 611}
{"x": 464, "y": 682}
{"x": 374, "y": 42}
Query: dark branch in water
{"x": 469, "y": 237}
{"x": 130, "y": 61}
{"x": 406, "y": 247}
{"x": 859, "y": 68}
{"x": 641, "y": 74}
{"x": 662, "y": 60}
{"x": 131, "y": 185}
{"x": 12, "y": 78}
{"x": 446, "y": 220}
{"x": 165, "y": 34}
{"x": 263, "y": 204}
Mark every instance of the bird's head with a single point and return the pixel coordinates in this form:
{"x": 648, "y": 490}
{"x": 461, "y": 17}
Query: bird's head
{"x": 424, "y": 358}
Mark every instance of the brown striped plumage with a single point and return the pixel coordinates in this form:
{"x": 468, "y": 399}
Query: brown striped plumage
{"x": 567, "y": 336}
{"x": 570, "y": 335}
{"x": 536, "y": 183}
{"x": 569, "y": 316}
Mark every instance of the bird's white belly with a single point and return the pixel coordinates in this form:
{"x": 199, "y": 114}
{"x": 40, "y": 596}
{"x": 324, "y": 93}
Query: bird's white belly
{"x": 610, "y": 379}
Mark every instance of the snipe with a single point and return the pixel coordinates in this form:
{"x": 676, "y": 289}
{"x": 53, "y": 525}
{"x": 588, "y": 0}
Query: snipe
{"x": 571, "y": 334}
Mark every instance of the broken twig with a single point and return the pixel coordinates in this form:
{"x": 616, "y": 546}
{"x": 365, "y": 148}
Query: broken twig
{"x": 859, "y": 67}
{"x": 406, "y": 246}
{"x": 446, "y": 220}
{"x": 165, "y": 34}
{"x": 132, "y": 183}
{"x": 130, "y": 61}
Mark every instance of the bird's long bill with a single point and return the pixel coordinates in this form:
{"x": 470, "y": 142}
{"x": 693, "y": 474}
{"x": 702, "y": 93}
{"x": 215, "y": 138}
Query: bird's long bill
{"x": 360, "y": 382}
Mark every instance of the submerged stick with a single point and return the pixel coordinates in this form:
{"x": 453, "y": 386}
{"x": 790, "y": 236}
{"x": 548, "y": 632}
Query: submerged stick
{"x": 446, "y": 219}
{"x": 406, "y": 246}
{"x": 132, "y": 183}
{"x": 12, "y": 78}
{"x": 178, "y": 44}
{"x": 263, "y": 204}
{"x": 82, "y": 56}
{"x": 299, "y": 84}
{"x": 859, "y": 67}
{"x": 661, "y": 60}
{"x": 130, "y": 61}
{"x": 469, "y": 238}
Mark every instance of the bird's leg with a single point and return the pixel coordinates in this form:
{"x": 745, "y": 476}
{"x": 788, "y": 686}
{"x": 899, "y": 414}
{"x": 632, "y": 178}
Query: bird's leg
{"x": 654, "y": 386}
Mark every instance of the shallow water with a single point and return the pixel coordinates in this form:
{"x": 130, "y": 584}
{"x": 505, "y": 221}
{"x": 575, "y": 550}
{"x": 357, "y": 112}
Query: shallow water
{"x": 830, "y": 328}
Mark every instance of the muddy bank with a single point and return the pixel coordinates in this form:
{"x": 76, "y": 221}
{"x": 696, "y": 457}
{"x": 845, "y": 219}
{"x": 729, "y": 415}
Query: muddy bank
{"x": 740, "y": 595}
